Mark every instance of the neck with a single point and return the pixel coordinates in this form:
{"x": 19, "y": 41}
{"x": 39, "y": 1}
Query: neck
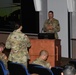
{"x": 51, "y": 19}
{"x": 41, "y": 58}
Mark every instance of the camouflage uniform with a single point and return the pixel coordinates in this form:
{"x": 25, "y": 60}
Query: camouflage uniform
{"x": 55, "y": 24}
{"x": 2, "y": 58}
{"x": 19, "y": 43}
{"x": 42, "y": 63}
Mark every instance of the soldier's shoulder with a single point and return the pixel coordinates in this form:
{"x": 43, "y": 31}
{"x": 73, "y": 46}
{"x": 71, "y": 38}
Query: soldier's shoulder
{"x": 48, "y": 64}
{"x": 25, "y": 35}
{"x": 21, "y": 34}
{"x": 1, "y": 55}
{"x": 36, "y": 60}
{"x": 46, "y": 20}
{"x": 55, "y": 19}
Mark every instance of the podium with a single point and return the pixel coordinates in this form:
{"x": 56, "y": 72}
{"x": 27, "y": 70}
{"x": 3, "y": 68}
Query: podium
{"x": 53, "y": 47}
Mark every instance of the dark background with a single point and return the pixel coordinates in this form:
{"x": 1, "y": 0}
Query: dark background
{"x": 28, "y": 17}
{"x": 16, "y": 1}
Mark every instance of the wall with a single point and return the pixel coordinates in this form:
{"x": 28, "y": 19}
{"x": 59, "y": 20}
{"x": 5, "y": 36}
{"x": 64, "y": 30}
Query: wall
{"x": 42, "y": 14}
{"x": 60, "y": 10}
{"x": 73, "y": 32}
{"x": 3, "y": 37}
{"x": 73, "y": 25}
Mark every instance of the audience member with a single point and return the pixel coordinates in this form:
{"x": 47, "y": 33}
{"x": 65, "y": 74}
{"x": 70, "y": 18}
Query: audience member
{"x": 19, "y": 43}
{"x": 69, "y": 70}
{"x": 3, "y": 57}
{"x": 41, "y": 60}
{"x": 51, "y": 25}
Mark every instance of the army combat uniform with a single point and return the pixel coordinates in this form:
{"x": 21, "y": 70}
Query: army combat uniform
{"x": 43, "y": 63}
{"x": 19, "y": 43}
{"x": 3, "y": 58}
{"x": 55, "y": 24}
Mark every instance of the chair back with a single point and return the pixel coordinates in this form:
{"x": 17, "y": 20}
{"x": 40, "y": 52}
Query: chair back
{"x": 73, "y": 62}
{"x": 17, "y": 69}
{"x": 3, "y": 70}
{"x": 57, "y": 70}
{"x": 38, "y": 69}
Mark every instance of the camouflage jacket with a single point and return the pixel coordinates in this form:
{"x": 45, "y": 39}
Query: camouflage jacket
{"x": 55, "y": 24}
{"x": 43, "y": 63}
{"x": 3, "y": 58}
{"x": 19, "y": 43}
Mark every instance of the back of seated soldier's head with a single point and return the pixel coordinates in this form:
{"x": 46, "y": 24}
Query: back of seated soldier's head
{"x": 69, "y": 70}
{"x": 34, "y": 74}
{"x": 44, "y": 54}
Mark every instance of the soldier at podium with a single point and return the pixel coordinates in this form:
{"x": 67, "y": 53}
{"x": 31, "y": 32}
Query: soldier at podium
{"x": 51, "y": 25}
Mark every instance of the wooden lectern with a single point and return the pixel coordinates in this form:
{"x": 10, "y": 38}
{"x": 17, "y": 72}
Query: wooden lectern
{"x": 53, "y": 47}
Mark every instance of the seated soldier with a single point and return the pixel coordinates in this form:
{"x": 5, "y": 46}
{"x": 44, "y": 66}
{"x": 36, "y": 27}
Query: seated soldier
{"x": 41, "y": 60}
{"x": 69, "y": 70}
{"x": 3, "y": 57}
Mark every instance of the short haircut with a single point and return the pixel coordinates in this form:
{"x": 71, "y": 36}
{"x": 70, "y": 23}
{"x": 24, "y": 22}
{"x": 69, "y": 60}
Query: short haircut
{"x": 17, "y": 25}
{"x": 51, "y": 12}
{"x": 69, "y": 70}
{"x": 43, "y": 52}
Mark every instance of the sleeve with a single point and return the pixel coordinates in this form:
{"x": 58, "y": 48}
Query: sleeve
{"x": 48, "y": 65}
{"x": 8, "y": 45}
{"x": 57, "y": 27}
{"x": 26, "y": 39}
{"x": 3, "y": 57}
